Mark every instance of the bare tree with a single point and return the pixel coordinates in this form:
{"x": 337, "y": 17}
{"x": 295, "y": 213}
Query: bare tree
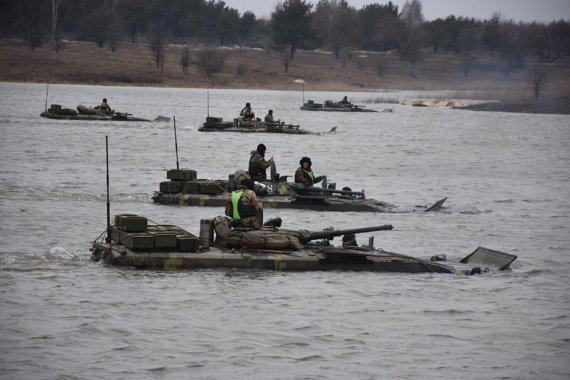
{"x": 536, "y": 78}
{"x": 185, "y": 60}
{"x": 211, "y": 61}
{"x": 157, "y": 46}
{"x": 286, "y": 61}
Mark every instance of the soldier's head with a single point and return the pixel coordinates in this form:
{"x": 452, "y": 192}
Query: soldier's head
{"x": 247, "y": 105}
{"x": 305, "y": 162}
{"x": 271, "y": 112}
{"x": 104, "y": 100}
{"x": 248, "y": 184}
{"x": 261, "y": 149}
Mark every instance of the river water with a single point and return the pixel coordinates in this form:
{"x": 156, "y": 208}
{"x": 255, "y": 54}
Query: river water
{"x": 64, "y": 317}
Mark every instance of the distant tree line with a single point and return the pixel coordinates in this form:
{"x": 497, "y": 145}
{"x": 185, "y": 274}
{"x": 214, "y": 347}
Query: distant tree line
{"x": 294, "y": 24}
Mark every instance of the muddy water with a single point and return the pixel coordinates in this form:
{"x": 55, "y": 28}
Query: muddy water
{"x": 62, "y": 316}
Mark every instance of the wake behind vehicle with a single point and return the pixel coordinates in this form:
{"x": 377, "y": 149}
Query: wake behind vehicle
{"x": 131, "y": 242}
{"x": 183, "y": 188}
{"x": 59, "y": 112}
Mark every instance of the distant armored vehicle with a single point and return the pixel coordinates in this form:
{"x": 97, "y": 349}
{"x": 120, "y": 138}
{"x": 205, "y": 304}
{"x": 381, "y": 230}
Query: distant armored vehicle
{"x": 131, "y": 242}
{"x": 329, "y": 105}
{"x": 184, "y": 189}
{"x": 59, "y": 112}
{"x": 216, "y": 124}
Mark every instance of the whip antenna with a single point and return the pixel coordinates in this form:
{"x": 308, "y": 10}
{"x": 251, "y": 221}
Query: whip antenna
{"x": 208, "y": 102}
{"x": 108, "y": 238}
{"x": 47, "y": 91}
{"x": 175, "y": 142}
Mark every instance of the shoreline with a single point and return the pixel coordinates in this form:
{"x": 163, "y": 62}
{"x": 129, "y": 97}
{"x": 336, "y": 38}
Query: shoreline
{"x": 246, "y": 68}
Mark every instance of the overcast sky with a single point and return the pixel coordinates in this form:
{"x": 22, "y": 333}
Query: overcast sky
{"x": 518, "y": 10}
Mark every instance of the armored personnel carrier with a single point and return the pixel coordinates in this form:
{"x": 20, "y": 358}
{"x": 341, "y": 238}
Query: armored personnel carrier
{"x": 329, "y": 105}
{"x": 184, "y": 189}
{"x": 59, "y": 112}
{"x": 131, "y": 242}
{"x": 217, "y": 124}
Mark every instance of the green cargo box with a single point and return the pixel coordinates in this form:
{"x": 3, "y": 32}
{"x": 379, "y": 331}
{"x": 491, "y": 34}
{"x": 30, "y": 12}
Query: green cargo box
{"x": 172, "y": 187}
{"x": 213, "y": 187}
{"x": 187, "y": 243}
{"x": 139, "y": 241}
{"x": 164, "y": 239}
{"x": 192, "y": 187}
{"x": 131, "y": 223}
{"x": 181, "y": 174}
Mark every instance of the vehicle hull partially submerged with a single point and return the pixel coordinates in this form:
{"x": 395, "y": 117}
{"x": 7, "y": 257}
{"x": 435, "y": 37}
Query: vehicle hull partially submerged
{"x": 331, "y": 106}
{"x": 167, "y": 247}
{"x": 59, "y": 112}
{"x": 184, "y": 189}
{"x": 217, "y": 124}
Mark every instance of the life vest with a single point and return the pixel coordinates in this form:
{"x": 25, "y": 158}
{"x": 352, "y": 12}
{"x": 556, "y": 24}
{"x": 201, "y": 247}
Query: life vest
{"x": 239, "y": 210}
{"x": 310, "y": 174}
{"x": 245, "y": 112}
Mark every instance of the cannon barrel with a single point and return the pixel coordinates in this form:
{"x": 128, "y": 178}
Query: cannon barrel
{"x": 306, "y": 236}
{"x": 314, "y": 189}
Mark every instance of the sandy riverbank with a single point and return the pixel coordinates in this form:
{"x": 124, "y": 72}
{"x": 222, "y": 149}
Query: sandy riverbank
{"x": 132, "y": 65}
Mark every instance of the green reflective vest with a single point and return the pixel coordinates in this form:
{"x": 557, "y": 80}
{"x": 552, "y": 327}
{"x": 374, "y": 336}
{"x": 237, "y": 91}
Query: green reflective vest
{"x": 310, "y": 173}
{"x": 236, "y": 196}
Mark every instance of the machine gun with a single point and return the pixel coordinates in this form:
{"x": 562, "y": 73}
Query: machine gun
{"x": 306, "y": 236}
{"x": 314, "y": 189}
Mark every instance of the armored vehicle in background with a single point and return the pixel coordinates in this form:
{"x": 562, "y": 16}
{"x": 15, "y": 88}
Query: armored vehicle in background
{"x": 329, "y": 105}
{"x": 216, "y": 124}
{"x": 184, "y": 189}
{"x": 59, "y": 112}
{"x": 131, "y": 242}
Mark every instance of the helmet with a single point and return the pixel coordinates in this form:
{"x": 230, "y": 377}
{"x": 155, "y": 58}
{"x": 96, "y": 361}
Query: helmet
{"x": 261, "y": 149}
{"x": 104, "y": 99}
{"x": 247, "y": 105}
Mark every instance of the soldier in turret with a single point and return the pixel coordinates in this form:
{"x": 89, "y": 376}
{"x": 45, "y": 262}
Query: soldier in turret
{"x": 243, "y": 206}
{"x": 258, "y": 164}
{"x": 305, "y": 175}
{"x": 269, "y": 117}
{"x": 246, "y": 113}
{"x": 105, "y": 106}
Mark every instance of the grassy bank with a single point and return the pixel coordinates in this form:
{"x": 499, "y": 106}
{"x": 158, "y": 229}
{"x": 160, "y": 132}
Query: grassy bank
{"x": 85, "y": 63}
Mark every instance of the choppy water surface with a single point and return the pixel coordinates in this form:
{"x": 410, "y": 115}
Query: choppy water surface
{"x": 62, "y": 316}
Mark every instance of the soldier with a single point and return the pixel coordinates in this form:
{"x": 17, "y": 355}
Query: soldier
{"x": 305, "y": 175}
{"x": 269, "y": 117}
{"x": 344, "y": 101}
{"x": 246, "y": 113}
{"x": 243, "y": 206}
{"x": 105, "y": 106}
{"x": 258, "y": 165}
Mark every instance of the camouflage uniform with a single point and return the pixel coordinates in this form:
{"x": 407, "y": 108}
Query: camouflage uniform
{"x": 247, "y": 114}
{"x": 248, "y": 199}
{"x": 302, "y": 176}
{"x": 258, "y": 166}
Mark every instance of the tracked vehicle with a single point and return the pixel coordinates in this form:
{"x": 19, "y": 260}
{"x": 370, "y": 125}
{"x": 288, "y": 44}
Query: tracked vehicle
{"x": 59, "y": 112}
{"x": 217, "y": 124}
{"x": 331, "y": 106}
{"x": 131, "y": 242}
{"x": 184, "y": 189}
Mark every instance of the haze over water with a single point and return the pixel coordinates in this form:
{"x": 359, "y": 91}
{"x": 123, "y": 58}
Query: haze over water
{"x": 506, "y": 175}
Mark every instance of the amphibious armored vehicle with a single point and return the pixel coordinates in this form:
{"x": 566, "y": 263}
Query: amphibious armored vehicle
{"x": 184, "y": 189}
{"x": 329, "y": 105}
{"x": 217, "y": 124}
{"x": 59, "y": 112}
{"x": 131, "y": 242}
